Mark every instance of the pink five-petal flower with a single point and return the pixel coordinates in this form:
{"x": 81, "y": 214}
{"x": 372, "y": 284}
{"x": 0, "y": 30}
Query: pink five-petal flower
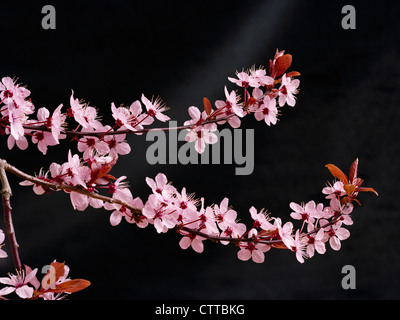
{"x": 226, "y": 220}
{"x": 122, "y": 116}
{"x": 155, "y": 109}
{"x": 194, "y": 241}
{"x": 336, "y": 209}
{"x": 85, "y": 115}
{"x": 299, "y": 247}
{"x": 261, "y": 76}
{"x": 245, "y": 80}
{"x": 336, "y": 234}
{"x": 287, "y": 91}
{"x": 201, "y": 136}
{"x": 232, "y": 103}
{"x": 117, "y": 144}
{"x": 19, "y": 283}
{"x": 267, "y": 111}
{"x": 253, "y": 250}
{"x": 316, "y": 242}
{"x": 38, "y": 189}
{"x": 260, "y": 220}
{"x": 336, "y": 190}
{"x": 159, "y": 184}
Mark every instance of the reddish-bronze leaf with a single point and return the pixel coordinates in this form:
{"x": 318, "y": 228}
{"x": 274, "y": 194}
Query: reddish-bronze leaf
{"x": 71, "y": 286}
{"x": 102, "y": 172}
{"x": 337, "y": 173}
{"x": 282, "y": 64}
{"x": 207, "y": 106}
{"x": 353, "y": 170}
{"x": 365, "y": 189}
{"x": 58, "y": 268}
{"x": 292, "y": 74}
{"x": 349, "y": 188}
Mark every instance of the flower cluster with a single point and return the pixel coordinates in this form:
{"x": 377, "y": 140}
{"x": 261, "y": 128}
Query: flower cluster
{"x": 55, "y": 285}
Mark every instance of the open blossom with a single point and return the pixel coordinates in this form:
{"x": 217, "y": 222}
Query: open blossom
{"x": 3, "y": 254}
{"x": 85, "y": 115}
{"x": 267, "y": 111}
{"x": 20, "y": 283}
{"x": 201, "y": 136}
{"x": 287, "y": 91}
{"x": 91, "y": 145}
{"x": 38, "y": 189}
{"x": 253, "y": 250}
{"x": 261, "y": 76}
{"x": 299, "y": 247}
{"x": 308, "y": 213}
{"x": 155, "y": 109}
{"x": 336, "y": 190}
{"x": 316, "y": 242}
{"x": 245, "y": 80}
{"x": 336, "y": 234}
{"x": 117, "y": 144}
{"x": 226, "y": 221}
{"x": 192, "y": 240}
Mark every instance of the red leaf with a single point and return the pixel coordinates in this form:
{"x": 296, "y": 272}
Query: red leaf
{"x": 71, "y": 286}
{"x": 292, "y": 74}
{"x": 282, "y": 64}
{"x": 365, "y": 189}
{"x": 349, "y": 188}
{"x": 207, "y": 105}
{"x": 353, "y": 170}
{"x": 58, "y": 268}
{"x": 337, "y": 173}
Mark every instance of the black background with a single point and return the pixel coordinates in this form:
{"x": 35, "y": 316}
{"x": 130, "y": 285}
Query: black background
{"x": 113, "y": 51}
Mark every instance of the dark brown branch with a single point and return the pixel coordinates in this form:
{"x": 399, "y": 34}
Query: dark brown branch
{"x": 6, "y": 195}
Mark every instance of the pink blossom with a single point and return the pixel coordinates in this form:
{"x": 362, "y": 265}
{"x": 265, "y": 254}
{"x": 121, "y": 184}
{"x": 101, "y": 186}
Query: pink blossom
{"x": 261, "y": 76}
{"x": 91, "y": 145}
{"x": 336, "y": 234}
{"x": 38, "y": 189}
{"x": 160, "y": 214}
{"x": 77, "y": 174}
{"x": 267, "y": 111}
{"x": 336, "y": 209}
{"x": 308, "y": 213}
{"x": 155, "y": 109}
{"x": 192, "y": 240}
{"x": 299, "y": 247}
{"x": 21, "y": 143}
{"x": 337, "y": 190}
{"x": 260, "y": 220}
{"x": 226, "y": 220}
{"x": 253, "y": 250}
{"x": 117, "y": 144}
{"x": 245, "y": 80}
{"x": 123, "y": 117}
{"x": 19, "y": 283}
{"x": 17, "y": 119}
{"x": 207, "y": 220}
{"x": 3, "y": 254}
{"x": 123, "y": 212}
{"x": 287, "y": 91}
{"x": 316, "y": 242}
{"x": 285, "y": 232}
{"x": 85, "y": 115}
{"x": 159, "y": 184}
{"x": 201, "y": 136}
